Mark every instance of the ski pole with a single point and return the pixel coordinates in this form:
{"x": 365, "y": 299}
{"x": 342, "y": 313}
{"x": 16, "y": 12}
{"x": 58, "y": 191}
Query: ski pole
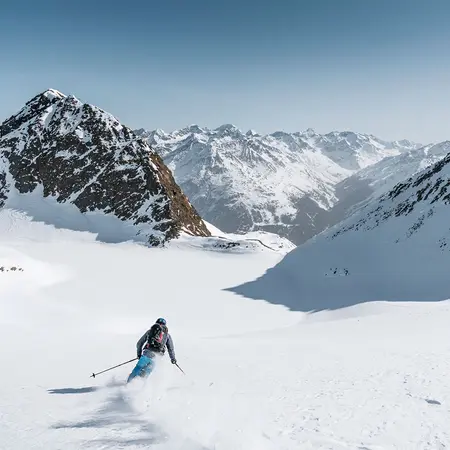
{"x": 118, "y": 365}
{"x": 180, "y": 368}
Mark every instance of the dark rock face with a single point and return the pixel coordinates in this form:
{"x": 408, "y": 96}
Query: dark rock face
{"x": 82, "y": 155}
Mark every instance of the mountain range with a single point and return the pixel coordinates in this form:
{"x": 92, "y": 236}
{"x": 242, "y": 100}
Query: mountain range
{"x": 59, "y": 152}
{"x": 292, "y": 184}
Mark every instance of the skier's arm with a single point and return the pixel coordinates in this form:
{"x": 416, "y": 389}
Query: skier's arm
{"x": 140, "y": 343}
{"x": 171, "y": 349}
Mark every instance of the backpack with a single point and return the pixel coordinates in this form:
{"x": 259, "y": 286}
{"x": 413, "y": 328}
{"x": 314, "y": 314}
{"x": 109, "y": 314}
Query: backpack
{"x": 155, "y": 339}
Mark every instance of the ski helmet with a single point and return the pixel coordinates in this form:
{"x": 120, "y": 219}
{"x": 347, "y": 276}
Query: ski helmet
{"x": 161, "y": 321}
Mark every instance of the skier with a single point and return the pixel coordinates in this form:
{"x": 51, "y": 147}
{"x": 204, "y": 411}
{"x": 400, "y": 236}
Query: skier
{"x": 153, "y": 342}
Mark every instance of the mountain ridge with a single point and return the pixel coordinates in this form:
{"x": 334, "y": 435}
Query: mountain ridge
{"x": 281, "y": 182}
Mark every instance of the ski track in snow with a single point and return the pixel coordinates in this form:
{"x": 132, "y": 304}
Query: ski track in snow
{"x": 370, "y": 377}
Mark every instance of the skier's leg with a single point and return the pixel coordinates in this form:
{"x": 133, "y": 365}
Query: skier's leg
{"x": 151, "y": 365}
{"x": 141, "y": 366}
{"x": 148, "y": 369}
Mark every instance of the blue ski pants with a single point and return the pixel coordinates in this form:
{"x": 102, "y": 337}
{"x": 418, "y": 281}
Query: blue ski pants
{"x": 144, "y": 366}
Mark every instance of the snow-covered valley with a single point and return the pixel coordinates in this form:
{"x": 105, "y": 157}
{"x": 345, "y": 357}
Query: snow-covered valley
{"x": 258, "y": 375}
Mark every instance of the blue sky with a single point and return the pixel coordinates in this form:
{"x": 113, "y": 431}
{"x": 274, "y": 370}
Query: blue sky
{"x": 373, "y": 66}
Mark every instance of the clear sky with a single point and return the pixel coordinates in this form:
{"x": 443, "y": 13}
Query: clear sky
{"x": 374, "y": 66}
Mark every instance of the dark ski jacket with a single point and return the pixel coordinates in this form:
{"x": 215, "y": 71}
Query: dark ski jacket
{"x": 167, "y": 342}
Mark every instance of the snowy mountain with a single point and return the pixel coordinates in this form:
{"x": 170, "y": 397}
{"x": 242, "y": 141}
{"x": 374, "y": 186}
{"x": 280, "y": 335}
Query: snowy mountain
{"x": 58, "y": 151}
{"x": 375, "y": 180}
{"x": 396, "y": 248}
{"x": 282, "y": 182}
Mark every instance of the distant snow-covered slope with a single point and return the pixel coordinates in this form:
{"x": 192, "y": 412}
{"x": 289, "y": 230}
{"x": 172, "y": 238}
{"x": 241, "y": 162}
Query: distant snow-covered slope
{"x": 251, "y": 241}
{"x": 58, "y": 151}
{"x": 395, "y": 248}
{"x": 282, "y": 182}
{"x": 379, "y": 178}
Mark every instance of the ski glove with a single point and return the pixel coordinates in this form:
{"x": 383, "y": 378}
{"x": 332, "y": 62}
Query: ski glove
{"x": 174, "y": 361}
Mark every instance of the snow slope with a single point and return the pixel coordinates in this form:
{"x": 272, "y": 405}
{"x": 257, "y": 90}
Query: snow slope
{"x": 281, "y": 183}
{"x": 396, "y": 248}
{"x": 375, "y": 180}
{"x": 258, "y": 376}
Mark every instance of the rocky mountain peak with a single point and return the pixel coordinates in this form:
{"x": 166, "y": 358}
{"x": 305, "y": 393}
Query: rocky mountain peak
{"x": 78, "y": 154}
